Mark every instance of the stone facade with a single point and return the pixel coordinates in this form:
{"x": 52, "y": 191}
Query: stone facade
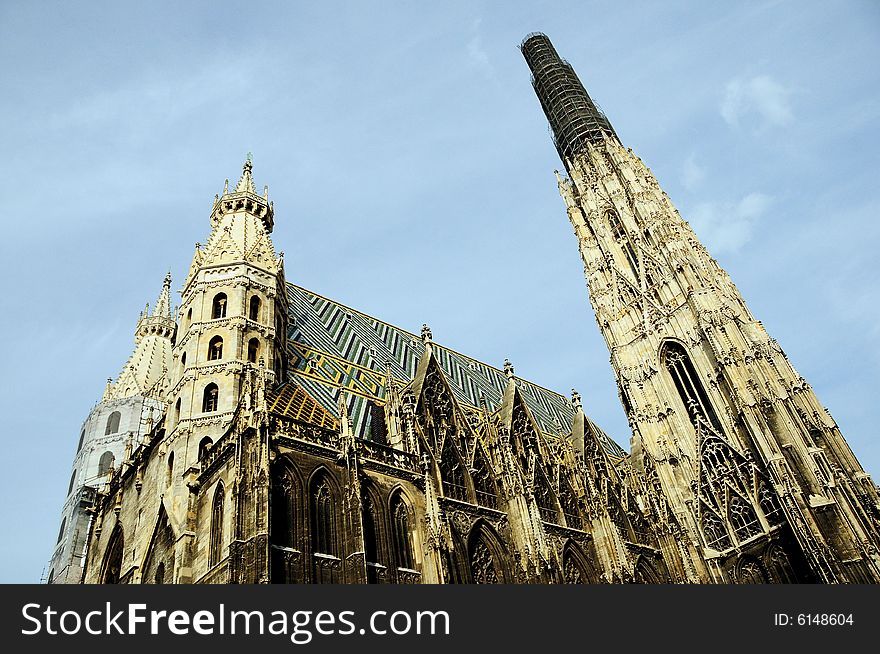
{"x": 289, "y": 439}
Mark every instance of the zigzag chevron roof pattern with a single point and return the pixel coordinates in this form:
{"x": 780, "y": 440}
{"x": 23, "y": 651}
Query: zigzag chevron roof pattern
{"x": 334, "y": 347}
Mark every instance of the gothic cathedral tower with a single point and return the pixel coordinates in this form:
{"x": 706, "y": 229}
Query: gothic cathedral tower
{"x": 756, "y": 481}
{"x": 232, "y": 318}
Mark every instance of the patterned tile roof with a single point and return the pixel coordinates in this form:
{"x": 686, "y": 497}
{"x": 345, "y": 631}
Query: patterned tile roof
{"x": 334, "y": 347}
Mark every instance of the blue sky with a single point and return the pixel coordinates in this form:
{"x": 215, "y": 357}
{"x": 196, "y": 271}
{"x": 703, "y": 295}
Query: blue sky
{"x": 412, "y": 175}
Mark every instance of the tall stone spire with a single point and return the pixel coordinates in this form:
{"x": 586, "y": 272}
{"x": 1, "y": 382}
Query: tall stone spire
{"x": 163, "y": 303}
{"x": 750, "y": 462}
{"x": 145, "y": 372}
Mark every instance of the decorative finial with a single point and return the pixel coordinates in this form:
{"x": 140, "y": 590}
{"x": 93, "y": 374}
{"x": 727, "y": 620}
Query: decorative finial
{"x": 508, "y": 369}
{"x": 576, "y": 399}
{"x": 427, "y": 337}
{"x": 226, "y": 186}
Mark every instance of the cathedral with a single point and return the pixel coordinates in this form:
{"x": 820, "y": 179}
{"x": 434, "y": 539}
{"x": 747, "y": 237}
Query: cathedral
{"x": 263, "y": 433}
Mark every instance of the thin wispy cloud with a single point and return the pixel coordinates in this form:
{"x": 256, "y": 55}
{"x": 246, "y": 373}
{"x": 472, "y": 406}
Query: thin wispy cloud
{"x": 477, "y": 54}
{"x": 692, "y": 174}
{"x": 726, "y": 227}
{"x": 146, "y": 101}
{"x": 759, "y": 98}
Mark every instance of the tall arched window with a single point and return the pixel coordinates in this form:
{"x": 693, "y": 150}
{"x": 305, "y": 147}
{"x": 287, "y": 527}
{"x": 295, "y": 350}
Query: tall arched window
{"x": 82, "y": 437}
{"x": 160, "y": 574}
{"x": 210, "y": 398}
{"x": 105, "y": 463}
{"x": 112, "y": 423}
{"x": 253, "y": 349}
{"x": 254, "y": 310}
{"x": 72, "y": 479}
{"x": 487, "y": 495}
{"x": 215, "y": 348}
{"x": 113, "y": 559}
{"x": 177, "y": 411}
{"x": 569, "y": 502}
{"x": 219, "y": 306}
{"x": 484, "y": 554}
{"x": 452, "y": 472}
{"x": 578, "y": 568}
{"x": 205, "y": 447}
{"x": 750, "y": 571}
{"x": 371, "y": 539}
{"x": 169, "y": 477}
{"x": 61, "y": 531}
{"x": 400, "y": 524}
{"x": 323, "y": 540}
{"x": 687, "y": 383}
{"x": 544, "y": 498}
{"x": 189, "y": 317}
{"x": 621, "y": 236}
{"x": 216, "y": 546}
{"x": 743, "y": 519}
{"x": 183, "y": 360}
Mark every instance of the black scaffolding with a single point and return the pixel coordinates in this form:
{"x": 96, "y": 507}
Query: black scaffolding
{"x": 574, "y": 118}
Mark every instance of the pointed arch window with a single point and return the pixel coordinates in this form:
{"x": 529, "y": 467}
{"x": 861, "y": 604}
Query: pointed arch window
{"x": 452, "y": 472}
{"x": 621, "y": 237}
{"x": 371, "y": 539}
{"x": 112, "y": 423}
{"x": 769, "y": 504}
{"x": 688, "y": 384}
{"x": 159, "y": 578}
{"x": 544, "y": 498}
{"x": 82, "y": 437}
{"x": 486, "y": 568}
{"x": 61, "y": 531}
{"x": 253, "y": 350}
{"x": 210, "y": 398}
{"x": 72, "y": 479}
{"x": 219, "y": 306}
{"x": 169, "y": 477}
{"x": 714, "y": 530}
{"x": 750, "y": 571}
{"x": 484, "y": 485}
{"x": 400, "y": 524}
{"x": 569, "y": 502}
{"x": 105, "y": 463}
{"x": 215, "y": 348}
{"x": 183, "y": 360}
{"x": 254, "y": 309}
{"x": 323, "y": 537}
{"x": 743, "y": 519}
{"x": 112, "y": 567}
{"x": 216, "y": 545}
{"x": 177, "y": 411}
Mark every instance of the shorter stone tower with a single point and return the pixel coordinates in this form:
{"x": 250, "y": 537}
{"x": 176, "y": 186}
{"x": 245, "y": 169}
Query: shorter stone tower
{"x": 128, "y": 409}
